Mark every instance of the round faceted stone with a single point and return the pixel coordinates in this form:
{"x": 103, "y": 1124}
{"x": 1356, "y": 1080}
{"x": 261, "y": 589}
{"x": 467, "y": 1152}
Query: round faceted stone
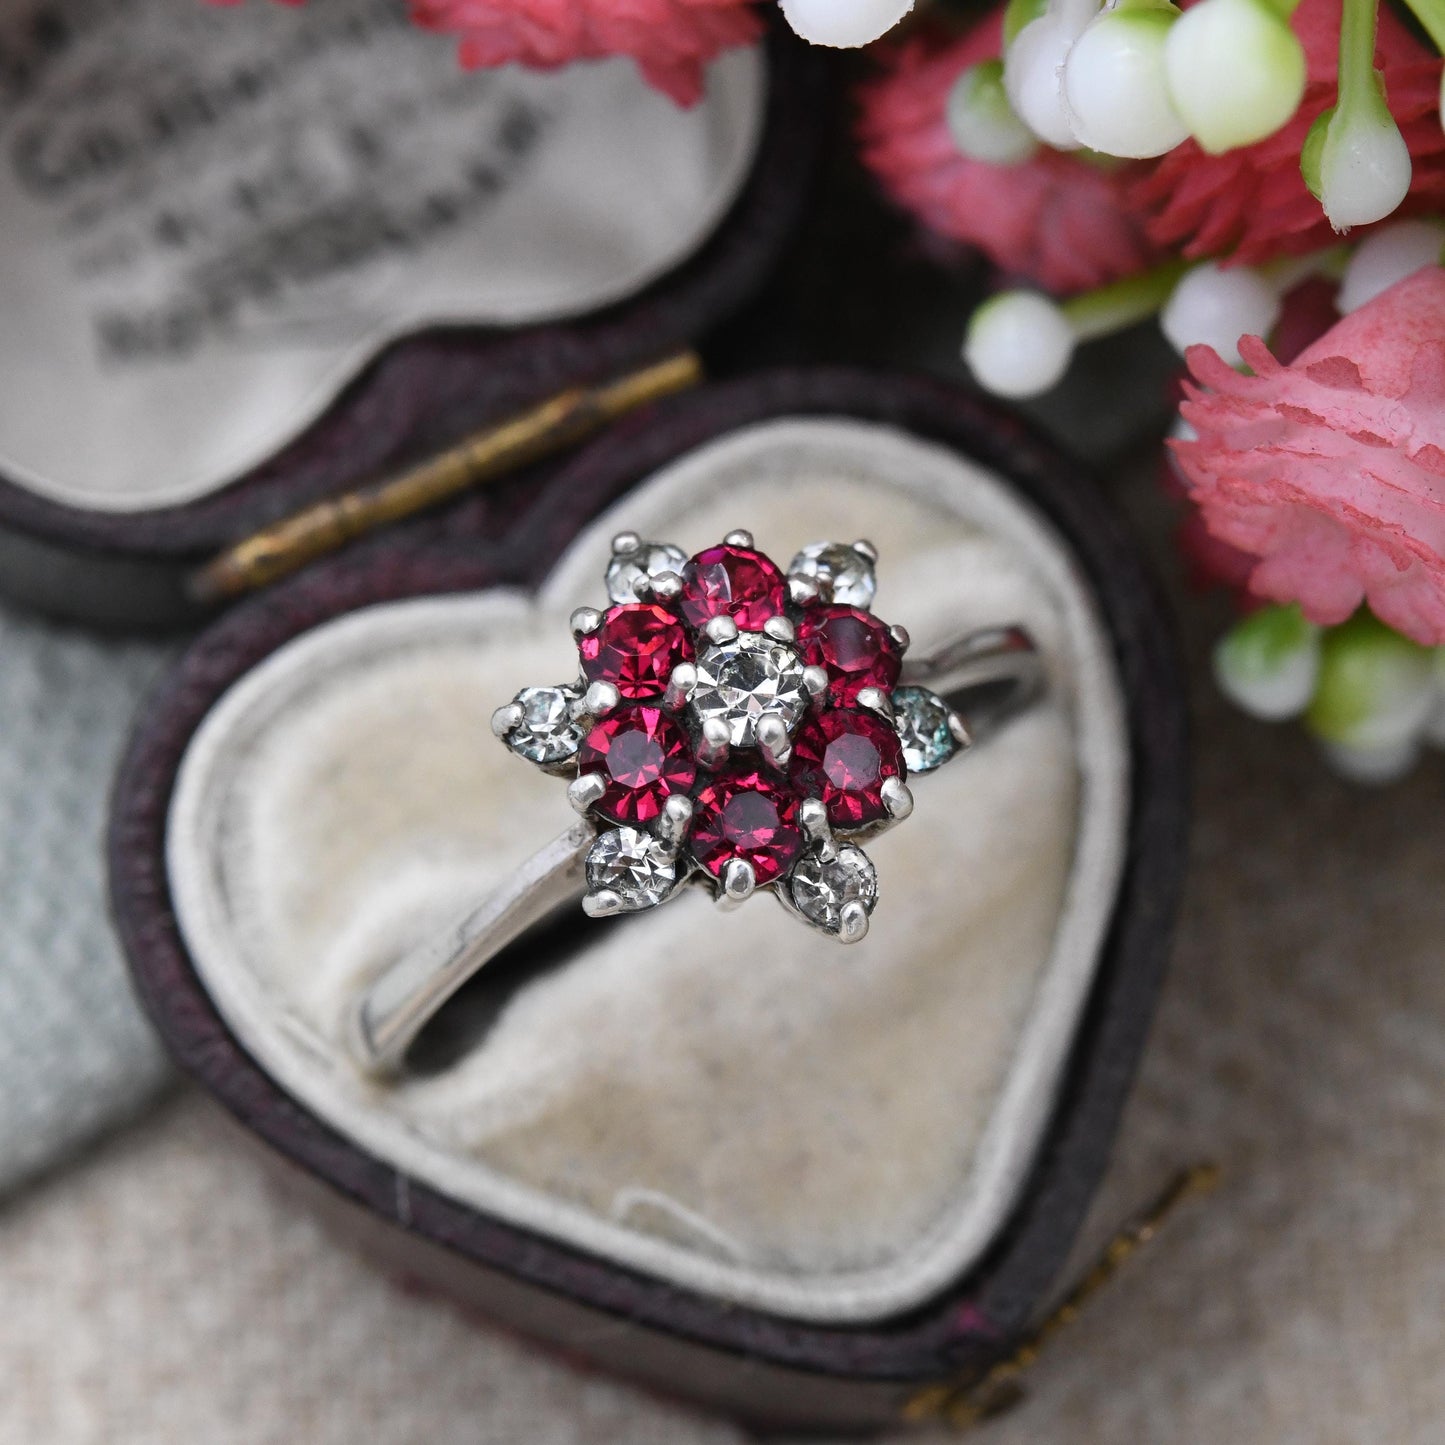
{"x": 635, "y": 649}
{"x": 842, "y": 573}
{"x": 822, "y": 890}
{"x": 732, "y": 582}
{"x": 643, "y": 756}
{"x": 744, "y": 813}
{"x": 747, "y": 679}
{"x": 922, "y": 721}
{"x": 844, "y": 758}
{"x": 853, "y": 647}
{"x": 634, "y": 865}
{"x": 646, "y": 564}
{"x": 547, "y": 733}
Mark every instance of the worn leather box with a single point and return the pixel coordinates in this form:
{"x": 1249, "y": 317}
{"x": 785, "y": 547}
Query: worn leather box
{"x": 262, "y": 257}
{"x": 721, "y": 1157}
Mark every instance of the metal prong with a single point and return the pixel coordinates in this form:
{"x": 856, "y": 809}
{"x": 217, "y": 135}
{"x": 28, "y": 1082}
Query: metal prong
{"x": 679, "y": 687}
{"x": 853, "y": 923}
{"x": 642, "y": 588}
{"x": 600, "y": 699}
{"x": 666, "y": 586}
{"x": 507, "y": 719}
{"x": 740, "y": 538}
{"x": 674, "y": 821}
{"x": 585, "y": 621}
{"x": 602, "y": 904}
{"x": 813, "y": 816}
{"x": 897, "y": 799}
{"x": 899, "y": 633}
{"x": 958, "y": 729}
{"x": 815, "y": 679}
{"x": 721, "y": 629}
{"x": 584, "y": 791}
{"x": 738, "y": 883}
{"x": 780, "y": 629}
{"x": 804, "y": 591}
{"x": 624, "y": 544}
{"x": 874, "y": 699}
{"x": 716, "y": 743}
{"x": 868, "y": 550}
{"x": 773, "y": 739}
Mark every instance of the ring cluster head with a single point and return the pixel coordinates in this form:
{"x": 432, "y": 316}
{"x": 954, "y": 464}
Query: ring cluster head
{"x": 738, "y": 726}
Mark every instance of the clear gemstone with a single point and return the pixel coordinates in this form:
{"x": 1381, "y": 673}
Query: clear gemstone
{"x": 922, "y": 722}
{"x": 649, "y": 562}
{"x": 547, "y": 734}
{"x": 746, "y": 679}
{"x": 634, "y": 865}
{"x": 843, "y": 574}
{"x": 822, "y": 890}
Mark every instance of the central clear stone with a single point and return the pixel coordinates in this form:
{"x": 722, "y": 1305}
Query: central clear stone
{"x": 746, "y": 680}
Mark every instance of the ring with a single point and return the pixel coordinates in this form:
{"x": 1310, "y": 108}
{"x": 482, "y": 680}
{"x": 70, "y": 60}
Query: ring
{"x": 732, "y": 727}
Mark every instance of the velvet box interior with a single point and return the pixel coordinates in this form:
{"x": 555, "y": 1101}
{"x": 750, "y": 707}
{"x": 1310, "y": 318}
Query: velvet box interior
{"x": 258, "y": 255}
{"x": 721, "y": 1156}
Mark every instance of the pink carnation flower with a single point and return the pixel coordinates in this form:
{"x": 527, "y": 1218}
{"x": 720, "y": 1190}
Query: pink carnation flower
{"x": 672, "y": 41}
{"x": 1055, "y": 219}
{"x": 1252, "y": 204}
{"x": 1330, "y": 471}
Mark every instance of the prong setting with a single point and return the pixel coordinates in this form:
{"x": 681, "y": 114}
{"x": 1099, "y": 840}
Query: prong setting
{"x": 898, "y": 799}
{"x": 874, "y": 699}
{"x": 674, "y": 821}
{"x": 739, "y": 883}
{"x": 774, "y": 741}
{"x": 600, "y": 699}
{"x": 680, "y": 687}
{"x": 721, "y": 630}
{"x": 715, "y": 744}
{"x": 506, "y": 720}
{"x": 585, "y": 621}
{"x": 603, "y": 904}
{"x": 626, "y": 544}
{"x": 584, "y": 791}
{"x": 739, "y": 538}
{"x": 781, "y": 629}
{"x": 900, "y": 635}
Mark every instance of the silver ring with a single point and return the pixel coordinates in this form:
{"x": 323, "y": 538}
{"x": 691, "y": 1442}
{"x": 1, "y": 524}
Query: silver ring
{"x": 733, "y": 727}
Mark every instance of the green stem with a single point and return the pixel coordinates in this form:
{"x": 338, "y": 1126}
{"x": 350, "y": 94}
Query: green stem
{"x": 1431, "y": 15}
{"x": 1111, "y": 308}
{"x": 1357, "y": 55}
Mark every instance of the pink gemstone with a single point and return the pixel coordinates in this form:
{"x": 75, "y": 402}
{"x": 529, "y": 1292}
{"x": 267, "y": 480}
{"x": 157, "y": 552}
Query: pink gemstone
{"x": 732, "y": 582}
{"x": 644, "y": 757}
{"x": 744, "y": 813}
{"x": 635, "y": 649}
{"x": 844, "y": 758}
{"x": 855, "y": 649}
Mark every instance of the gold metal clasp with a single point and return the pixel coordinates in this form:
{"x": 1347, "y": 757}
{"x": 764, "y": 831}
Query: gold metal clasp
{"x": 544, "y": 430}
{"x": 973, "y": 1399}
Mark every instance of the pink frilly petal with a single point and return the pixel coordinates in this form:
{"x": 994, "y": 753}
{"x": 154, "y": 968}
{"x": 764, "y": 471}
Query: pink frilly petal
{"x": 1330, "y": 472}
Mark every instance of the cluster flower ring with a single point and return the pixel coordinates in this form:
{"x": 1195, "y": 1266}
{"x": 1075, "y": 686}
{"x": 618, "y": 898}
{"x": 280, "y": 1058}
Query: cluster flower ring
{"x": 736, "y": 726}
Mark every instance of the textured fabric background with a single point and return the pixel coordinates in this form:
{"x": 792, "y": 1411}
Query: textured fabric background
{"x": 74, "y": 1051}
{"x": 167, "y": 1290}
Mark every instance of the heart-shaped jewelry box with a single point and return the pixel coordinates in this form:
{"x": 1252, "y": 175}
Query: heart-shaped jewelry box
{"x": 718, "y": 1155}
{"x": 256, "y": 256}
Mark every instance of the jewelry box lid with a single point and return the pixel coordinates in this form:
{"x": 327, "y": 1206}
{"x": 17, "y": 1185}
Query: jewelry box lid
{"x": 259, "y": 256}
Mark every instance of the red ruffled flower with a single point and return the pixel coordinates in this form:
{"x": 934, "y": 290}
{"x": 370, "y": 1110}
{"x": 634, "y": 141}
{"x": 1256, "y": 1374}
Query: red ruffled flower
{"x": 1330, "y": 471}
{"x": 1251, "y": 204}
{"x": 672, "y": 41}
{"x": 1055, "y": 219}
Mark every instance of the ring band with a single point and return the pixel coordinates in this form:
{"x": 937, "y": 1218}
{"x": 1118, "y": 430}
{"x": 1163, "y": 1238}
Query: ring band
{"x": 731, "y": 727}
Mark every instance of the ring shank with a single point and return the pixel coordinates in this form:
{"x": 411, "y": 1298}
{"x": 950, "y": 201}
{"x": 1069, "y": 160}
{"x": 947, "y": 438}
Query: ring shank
{"x": 986, "y": 677}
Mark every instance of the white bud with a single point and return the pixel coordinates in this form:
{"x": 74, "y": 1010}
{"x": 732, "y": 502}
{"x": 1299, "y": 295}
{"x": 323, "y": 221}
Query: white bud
{"x": 1387, "y": 256}
{"x": 844, "y": 23}
{"x": 1356, "y": 161}
{"x": 1215, "y": 307}
{"x": 1116, "y": 90}
{"x": 1019, "y": 344}
{"x": 981, "y": 120}
{"x": 1033, "y": 70}
{"x": 1236, "y": 72}
{"x": 1269, "y": 665}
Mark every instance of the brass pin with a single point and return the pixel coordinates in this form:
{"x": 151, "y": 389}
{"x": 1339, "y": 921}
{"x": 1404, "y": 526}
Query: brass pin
{"x": 544, "y": 430}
